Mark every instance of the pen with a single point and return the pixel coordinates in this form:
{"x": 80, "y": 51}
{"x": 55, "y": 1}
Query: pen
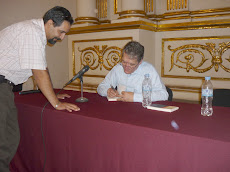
{"x": 113, "y": 88}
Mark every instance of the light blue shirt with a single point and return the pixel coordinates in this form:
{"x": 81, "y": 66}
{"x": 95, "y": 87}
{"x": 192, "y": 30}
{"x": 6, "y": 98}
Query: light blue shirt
{"x": 133, "y": 82}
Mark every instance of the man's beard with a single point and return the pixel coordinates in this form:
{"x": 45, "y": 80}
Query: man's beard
{"x": 52, "y": 41}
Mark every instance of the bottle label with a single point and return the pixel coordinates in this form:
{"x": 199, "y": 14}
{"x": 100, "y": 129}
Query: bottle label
{"x": 146, "y": 89}
{"x": 207, "y": 92}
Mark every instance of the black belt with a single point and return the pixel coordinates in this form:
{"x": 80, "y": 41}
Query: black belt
{"x": 3, "y": 80}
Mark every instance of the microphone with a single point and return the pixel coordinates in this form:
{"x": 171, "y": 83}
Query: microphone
{"x": 79, "y": 74}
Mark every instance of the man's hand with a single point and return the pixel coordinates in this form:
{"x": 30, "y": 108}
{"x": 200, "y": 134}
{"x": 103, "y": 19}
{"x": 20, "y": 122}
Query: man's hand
{"x": 112, "y": 92}
{"x": 63, "y": 96}
{"x": 126, "y": 96}
{"x": 67, "y": 106}
{"x": 43, "y": 81}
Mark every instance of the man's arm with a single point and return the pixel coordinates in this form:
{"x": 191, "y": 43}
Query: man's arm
{"x": 159, "y": 92}
{"x": 43, "y": 81}
{"x": 105, "y": 86}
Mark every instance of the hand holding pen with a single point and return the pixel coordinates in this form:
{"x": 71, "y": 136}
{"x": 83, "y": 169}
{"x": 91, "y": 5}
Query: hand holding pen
{"x": 112, "y": 92}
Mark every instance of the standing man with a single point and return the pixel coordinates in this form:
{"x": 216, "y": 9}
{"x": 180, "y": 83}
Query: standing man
{"x": 22, "y": 54}
{"x": 129, "y": 75}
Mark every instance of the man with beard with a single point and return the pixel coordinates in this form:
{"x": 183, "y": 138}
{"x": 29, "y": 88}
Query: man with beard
{"x": 22, "y": 54}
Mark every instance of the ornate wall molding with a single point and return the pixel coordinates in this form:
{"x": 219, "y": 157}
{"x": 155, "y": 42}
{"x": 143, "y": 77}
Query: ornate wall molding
{"x": 101, "y": 55}
{"x": 196, "y": 57}
{"x": 192, "y": 49}
{"x": 152, "y": 27}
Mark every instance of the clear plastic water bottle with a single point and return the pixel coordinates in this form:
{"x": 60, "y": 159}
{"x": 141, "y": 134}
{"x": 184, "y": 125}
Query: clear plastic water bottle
{"x": 146, "y": 91}
{"x": 207, "y": 96}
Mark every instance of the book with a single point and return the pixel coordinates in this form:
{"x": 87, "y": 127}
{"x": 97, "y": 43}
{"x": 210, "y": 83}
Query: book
{"x": 112, "y": 98}
{"x": 161, "y": 107}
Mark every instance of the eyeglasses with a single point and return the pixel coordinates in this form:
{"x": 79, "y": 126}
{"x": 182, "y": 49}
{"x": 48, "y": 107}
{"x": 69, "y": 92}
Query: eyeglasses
{"x": 129, "y": 64}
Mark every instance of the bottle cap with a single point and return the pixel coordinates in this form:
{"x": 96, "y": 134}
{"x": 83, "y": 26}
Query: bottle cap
{"x": 207, "y": 78}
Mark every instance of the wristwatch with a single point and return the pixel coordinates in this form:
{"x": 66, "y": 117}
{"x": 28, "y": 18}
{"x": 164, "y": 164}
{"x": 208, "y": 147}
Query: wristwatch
{"x": 56, "y": 106}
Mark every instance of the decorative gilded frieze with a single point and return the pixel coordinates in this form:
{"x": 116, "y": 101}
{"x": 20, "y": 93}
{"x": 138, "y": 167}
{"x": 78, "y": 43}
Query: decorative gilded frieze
{"x": 101, "y": 55}
{"x": 95, "y": 57}
{"x": 196, "y": 57}
{"x": 186, "y": 57}
{"x": 151, "y": 26}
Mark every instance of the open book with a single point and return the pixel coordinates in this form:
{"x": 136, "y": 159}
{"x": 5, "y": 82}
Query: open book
{"x": 161, "y": 107}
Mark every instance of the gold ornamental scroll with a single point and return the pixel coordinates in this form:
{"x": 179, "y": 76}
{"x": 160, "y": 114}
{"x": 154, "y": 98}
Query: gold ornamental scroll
{"x": 196, "y": 57}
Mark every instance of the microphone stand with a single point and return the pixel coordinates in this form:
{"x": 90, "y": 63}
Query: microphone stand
{"x": 81, "y": 99}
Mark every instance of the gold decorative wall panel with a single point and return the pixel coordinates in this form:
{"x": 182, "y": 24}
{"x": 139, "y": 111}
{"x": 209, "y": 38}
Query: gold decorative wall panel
{"x": 101, "y": 55}
{"x": 196, "y": 57}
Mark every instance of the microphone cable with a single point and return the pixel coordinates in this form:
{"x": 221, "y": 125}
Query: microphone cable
{"x": 43, "y": 137}
{"x": 81, "y": 72}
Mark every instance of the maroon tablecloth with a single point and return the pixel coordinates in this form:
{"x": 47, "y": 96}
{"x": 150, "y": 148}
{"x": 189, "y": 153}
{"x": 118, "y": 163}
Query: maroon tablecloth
{"x": 120, "y": 137}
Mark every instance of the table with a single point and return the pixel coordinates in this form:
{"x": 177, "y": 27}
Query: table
{"x": 120, "y": 137}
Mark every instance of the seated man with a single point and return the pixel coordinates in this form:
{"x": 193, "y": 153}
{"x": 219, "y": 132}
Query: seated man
{"x": 128, "y": 77}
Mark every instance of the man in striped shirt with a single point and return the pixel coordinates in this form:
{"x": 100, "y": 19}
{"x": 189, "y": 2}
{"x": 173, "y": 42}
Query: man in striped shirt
{"x": 22, "y": 54}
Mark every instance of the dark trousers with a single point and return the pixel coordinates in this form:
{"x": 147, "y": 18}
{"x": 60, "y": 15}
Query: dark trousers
{"x": 9, "y": 130}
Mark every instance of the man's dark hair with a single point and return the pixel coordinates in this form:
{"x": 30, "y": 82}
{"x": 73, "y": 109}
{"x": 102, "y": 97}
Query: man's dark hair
{"x": 58, "y": 15}
{"x": 134, "y": 49}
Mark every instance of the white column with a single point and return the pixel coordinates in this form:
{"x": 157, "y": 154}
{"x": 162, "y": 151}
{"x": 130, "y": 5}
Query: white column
{"x": 132, "y": 8}
{"x": 86, "y": 12}
{"x": 132, "y": 5}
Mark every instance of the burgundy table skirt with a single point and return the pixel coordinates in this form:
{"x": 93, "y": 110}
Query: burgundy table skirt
{"x": 119, "y": 137}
